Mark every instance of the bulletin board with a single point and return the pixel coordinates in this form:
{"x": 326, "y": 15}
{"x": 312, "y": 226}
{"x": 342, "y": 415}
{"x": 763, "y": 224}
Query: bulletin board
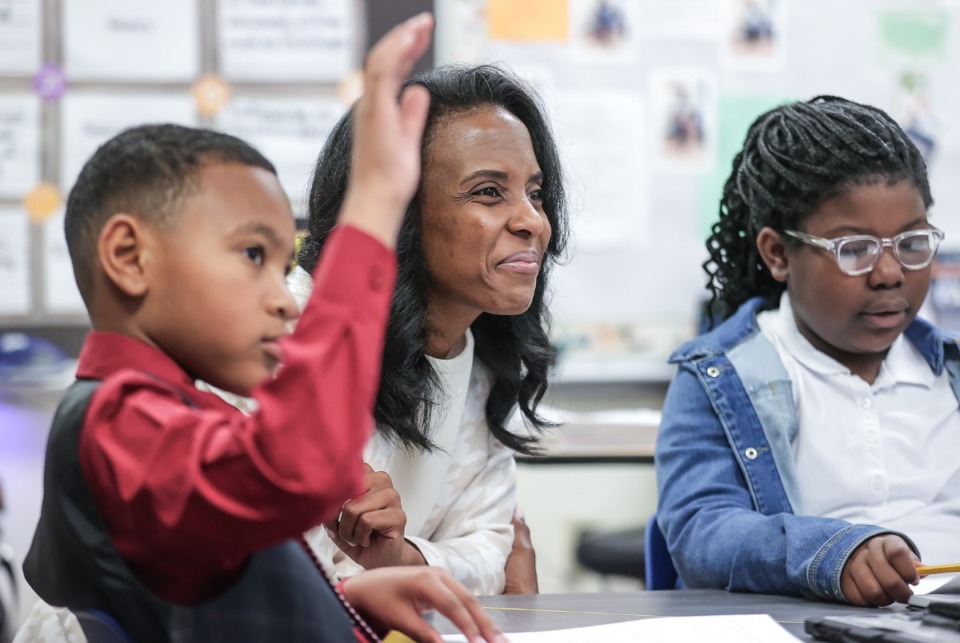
{"x": 277, "y": 73}
{"x": 651, "y": 100}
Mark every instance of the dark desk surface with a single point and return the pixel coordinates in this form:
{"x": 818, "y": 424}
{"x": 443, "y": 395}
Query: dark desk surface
{"x": 562, "y": 611}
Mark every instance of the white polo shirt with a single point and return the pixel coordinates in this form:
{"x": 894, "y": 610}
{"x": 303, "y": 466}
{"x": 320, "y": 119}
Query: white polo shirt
{"x": 886, "y": 454}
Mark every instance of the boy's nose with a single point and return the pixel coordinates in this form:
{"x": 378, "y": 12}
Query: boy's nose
{"x": 888, "y": 271}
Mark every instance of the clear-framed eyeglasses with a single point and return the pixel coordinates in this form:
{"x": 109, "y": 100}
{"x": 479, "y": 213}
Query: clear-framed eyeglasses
{"x": 858, "y": 254}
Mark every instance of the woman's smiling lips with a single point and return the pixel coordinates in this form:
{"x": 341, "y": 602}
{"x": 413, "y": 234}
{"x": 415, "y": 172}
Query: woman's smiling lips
{"x": 526, "y": 262}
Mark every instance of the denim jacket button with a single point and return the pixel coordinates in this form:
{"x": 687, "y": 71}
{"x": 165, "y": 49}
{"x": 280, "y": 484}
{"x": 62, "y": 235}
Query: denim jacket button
{"x": 713, "y": 371}
{"x": 751, "y": 453}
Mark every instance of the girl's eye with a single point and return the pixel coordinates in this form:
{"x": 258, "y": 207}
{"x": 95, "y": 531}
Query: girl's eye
{"x": 255, "y": 254}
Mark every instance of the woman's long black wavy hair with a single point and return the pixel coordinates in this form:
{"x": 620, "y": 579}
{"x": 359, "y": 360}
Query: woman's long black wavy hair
{"x": 515, "y": 348}
{"x": 794, "y": 158}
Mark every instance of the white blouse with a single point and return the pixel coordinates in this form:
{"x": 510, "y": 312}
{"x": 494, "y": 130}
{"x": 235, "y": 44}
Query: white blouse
{"x": 459, "y": 499}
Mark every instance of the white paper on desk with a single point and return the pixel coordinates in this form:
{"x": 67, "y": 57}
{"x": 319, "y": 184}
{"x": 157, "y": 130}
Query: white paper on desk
{"x": 277, "y": 40}
{"x": 14, "y": 261}
{"x": 119, "y": 39}
{"x": 87, "y": 120}
{"x": 739, "y": 628}
{"x": 19, "y": 144}
{"x": 938, "y": 584}
{"x": 20, "y": 36}
{"x": 289, "y": 131}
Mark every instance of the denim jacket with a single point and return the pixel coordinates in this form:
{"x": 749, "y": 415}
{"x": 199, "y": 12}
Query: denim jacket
{"x": 729, "y": 500}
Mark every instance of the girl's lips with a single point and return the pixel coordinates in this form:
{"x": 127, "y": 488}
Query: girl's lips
{"x": 886, "y": 319}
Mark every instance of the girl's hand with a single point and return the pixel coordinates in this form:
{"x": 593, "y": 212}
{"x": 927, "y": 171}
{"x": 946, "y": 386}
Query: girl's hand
{"x": 521, "y": 568}
{"x": 879, "y": 572}
{"x": 396, "y": 598}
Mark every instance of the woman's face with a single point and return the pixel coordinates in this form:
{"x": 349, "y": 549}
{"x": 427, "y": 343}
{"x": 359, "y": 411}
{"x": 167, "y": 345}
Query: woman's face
{"x": 484, "y": 229}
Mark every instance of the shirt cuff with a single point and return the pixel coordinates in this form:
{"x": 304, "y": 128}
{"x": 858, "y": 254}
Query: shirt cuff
{"x": 353, "y": 265}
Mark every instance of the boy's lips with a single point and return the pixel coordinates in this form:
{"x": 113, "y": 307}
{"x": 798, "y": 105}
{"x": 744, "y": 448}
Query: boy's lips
{"x": 886, "y": 315}
{"x": 272, "y": 349}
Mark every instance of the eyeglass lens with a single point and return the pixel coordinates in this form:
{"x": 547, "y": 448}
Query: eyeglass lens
{"x": 914, "y": 250}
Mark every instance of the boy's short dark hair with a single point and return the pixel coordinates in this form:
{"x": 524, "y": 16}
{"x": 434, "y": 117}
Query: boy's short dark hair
{"x": 143, "y": 171}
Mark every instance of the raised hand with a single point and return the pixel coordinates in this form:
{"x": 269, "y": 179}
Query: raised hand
{"x": 396, "y": 598}
{"x": 387, "y": 131}
{"x": 879, "y": 572}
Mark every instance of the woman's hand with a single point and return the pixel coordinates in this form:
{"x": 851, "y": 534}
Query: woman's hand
{"x": 370, "y": 528}
{"x": 879, "y": 572}
{"x": 396, "y": 598}
{"x": 521, "y": 568}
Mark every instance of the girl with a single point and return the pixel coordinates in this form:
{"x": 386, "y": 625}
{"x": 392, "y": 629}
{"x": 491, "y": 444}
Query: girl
{"x": 792, "y": 458}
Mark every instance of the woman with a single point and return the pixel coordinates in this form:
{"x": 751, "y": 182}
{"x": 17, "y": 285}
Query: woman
{"x": 467, "y": 340}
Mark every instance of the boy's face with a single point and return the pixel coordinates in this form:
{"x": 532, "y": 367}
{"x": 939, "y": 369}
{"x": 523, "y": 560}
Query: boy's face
{"x": 217, "y": 300}
{"x": 856, "y": 319}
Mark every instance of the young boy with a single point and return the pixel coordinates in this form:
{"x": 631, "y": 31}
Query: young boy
{"x": 163, "y": 506}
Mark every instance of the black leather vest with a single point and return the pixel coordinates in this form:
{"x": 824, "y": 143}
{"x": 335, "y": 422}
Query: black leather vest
{"x": 280, "y": 595}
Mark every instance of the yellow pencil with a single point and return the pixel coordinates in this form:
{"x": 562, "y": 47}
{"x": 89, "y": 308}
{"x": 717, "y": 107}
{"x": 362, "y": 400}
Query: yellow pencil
{"x": 938, "y": 569}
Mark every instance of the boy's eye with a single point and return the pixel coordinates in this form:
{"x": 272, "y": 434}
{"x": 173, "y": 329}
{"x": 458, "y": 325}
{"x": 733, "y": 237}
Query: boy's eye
{"x": 255, "y": 254}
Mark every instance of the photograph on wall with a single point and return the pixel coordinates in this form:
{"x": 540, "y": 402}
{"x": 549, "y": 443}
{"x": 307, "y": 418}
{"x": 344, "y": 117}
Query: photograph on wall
{"x": 683, "y": 116}
{"x": 752, "y": 34}
{"x": 604, "y": 30}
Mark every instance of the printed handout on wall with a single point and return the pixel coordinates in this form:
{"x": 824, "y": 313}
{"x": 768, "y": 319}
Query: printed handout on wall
{"x": 20, "y": 32}
{"x": 14, "y": 262}
{"x": 683, "y": 105}
{"x": 87, "y": 120}
{"x": 281, "y": 41}
{"x": 60, "y": 293}
{"x": 289, "y": 131}
{"x": 136, "y": 41}
{"x": 19, "y": 144}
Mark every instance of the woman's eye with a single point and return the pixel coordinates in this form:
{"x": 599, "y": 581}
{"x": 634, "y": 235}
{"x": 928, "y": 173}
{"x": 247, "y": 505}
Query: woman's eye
{"x": 536, "y": 195}
{"x": 488, "y": 191}
{"x": 255, "y": 254}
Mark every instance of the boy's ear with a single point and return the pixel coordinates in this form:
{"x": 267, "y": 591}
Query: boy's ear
{"x": 773, "y": 252}
{"x": 120, "y": 251}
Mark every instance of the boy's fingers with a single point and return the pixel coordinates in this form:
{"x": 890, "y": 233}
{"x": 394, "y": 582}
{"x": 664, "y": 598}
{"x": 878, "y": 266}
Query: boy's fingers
{"x": 395, "y": 53}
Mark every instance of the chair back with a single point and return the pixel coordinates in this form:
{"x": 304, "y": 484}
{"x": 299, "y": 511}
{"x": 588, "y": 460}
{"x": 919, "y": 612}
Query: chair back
{"x": 100, "y": 627}
{"x": 658, "y": 565}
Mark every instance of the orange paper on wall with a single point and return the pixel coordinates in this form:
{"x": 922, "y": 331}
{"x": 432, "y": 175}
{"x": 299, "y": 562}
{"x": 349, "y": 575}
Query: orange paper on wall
{"x": 528, "y": 20}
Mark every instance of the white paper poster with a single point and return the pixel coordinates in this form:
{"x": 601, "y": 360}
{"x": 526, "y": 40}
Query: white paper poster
{"x": 122, "y": 40}
{"x": 288, "y": 131}
{"x": 278, "y": 40}
{"x": 19, "y": 144}
{"x": 20, "y": 32}
{"x": 690, "y": 20}
{"x": 14, "y": 262}
{"x": 88, "y": 120}
{"x": 60, "y": 293}
{"x": 601, "y": 140}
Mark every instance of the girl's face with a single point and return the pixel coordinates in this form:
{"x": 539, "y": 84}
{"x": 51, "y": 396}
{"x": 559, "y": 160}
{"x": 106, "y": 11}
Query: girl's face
{"x": 855, "y": 319}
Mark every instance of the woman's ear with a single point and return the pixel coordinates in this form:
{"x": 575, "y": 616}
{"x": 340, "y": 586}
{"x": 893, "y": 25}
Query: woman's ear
{"x": 773, "y": 251}
{"x": 120, "y": 251}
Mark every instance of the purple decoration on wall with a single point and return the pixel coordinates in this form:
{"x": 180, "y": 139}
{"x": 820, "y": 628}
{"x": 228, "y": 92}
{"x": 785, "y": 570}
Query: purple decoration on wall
{"x": 50, "y": 82}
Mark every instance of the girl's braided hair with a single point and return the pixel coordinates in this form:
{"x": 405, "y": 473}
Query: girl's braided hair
{"x": 796, "y": 157}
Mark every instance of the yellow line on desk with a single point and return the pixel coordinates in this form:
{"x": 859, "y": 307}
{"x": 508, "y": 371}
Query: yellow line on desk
{"x": 532, "y": 609}
{"x": 537, "y": 609}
